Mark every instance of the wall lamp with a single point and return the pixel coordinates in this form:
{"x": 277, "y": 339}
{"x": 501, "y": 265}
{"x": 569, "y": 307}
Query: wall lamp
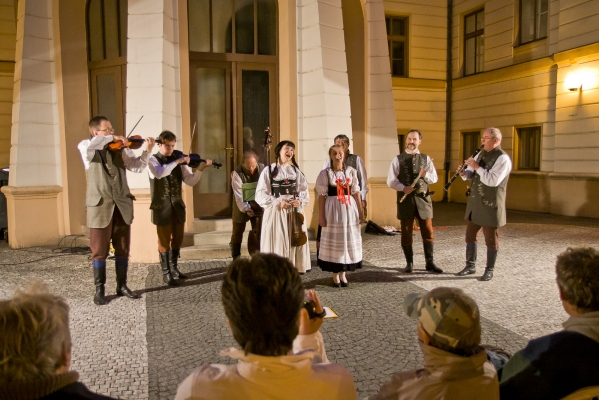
{"x": 581, "y": 79}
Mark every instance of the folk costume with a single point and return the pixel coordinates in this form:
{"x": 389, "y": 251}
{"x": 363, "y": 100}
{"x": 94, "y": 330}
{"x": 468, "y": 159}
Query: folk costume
{"x": 109, "y": 208}
{"x": 418, "y": 204}
{"x": 270, "y": 192}
{"x": 168, "y": 209}
{"x": 243, "y": 183}
{"x": 486, "y": 206}
{"x": 341, "y": 241}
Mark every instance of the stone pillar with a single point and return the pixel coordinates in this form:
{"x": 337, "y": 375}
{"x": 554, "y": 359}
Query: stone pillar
{"x": 153, "y": 90}
{"x": 35, "y": 185}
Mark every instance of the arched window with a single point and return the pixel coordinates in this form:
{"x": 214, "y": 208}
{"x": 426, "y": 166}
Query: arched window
{"x": 107, "y": 59}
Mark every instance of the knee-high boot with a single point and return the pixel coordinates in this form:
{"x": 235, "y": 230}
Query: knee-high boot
{"x": 428, "y": 256}
{"x": 470, "y": 267}
{"x": 99, "y": 281}
{"x": 167, "y": 277}
{"x": 174, "y": 255}
{"x": 491, "y": 258}
{"x": 409, "y": 254}
{"x": 235, "y": 250}
{"x": 121, "y": 266}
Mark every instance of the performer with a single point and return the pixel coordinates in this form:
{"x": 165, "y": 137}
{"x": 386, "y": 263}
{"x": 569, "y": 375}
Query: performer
{"x": 275, "y": 194}
{"x": 410, "y": 174}
{"x": 340, "y": 214}
{"x": 109, "y": 201}
{"x": 489, "y": 172}
{"x": 168, "y": 172}
{"x": 244, "y": 181}
{"x": 351, "y": 160}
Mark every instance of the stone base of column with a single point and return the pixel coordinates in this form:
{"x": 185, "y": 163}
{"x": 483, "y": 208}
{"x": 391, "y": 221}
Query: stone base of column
{"x": 144, "y": 240}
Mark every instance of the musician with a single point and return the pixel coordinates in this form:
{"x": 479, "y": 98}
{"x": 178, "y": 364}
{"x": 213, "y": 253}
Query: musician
{"x": 168, "y": 171}
{"x": 109, "y": 201}
{"x": 410, "y": 174}
{"x": 274, "y": 193}
{"x": 489, "y": 171}
{"x": 243, "y": 181}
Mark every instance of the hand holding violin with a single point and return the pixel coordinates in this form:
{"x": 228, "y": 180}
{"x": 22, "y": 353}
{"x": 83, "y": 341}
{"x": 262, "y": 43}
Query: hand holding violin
{"x": 122, "y": 139}
{"x": 149, "y": 145}
{"x": 183, "y": 160}
{"x": 295, "y": 203}
{"x": 204, "y": 165}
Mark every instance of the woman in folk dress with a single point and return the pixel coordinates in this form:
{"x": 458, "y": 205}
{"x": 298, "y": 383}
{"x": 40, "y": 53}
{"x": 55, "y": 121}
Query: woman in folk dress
{"x": 274, "y": 193}
{"x": 340, "y": 215}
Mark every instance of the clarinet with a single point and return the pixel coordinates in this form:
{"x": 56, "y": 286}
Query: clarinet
{"x": 462, "y": 168}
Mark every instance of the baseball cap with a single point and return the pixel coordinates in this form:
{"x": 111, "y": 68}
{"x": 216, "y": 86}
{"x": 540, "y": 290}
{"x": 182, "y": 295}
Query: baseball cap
{"x": 448, "y": 315}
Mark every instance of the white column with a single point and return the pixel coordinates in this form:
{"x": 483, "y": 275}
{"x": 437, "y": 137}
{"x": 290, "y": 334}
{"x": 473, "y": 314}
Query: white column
{"x": 323, "y": 105}
{"x": 381, "y": 124}
{"x": 35, "y": 152}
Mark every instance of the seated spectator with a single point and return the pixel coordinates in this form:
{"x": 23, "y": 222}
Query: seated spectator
{"x": 455, "y": 365}
{"x": 553, "y": 366}
{"x": 262, "y": 298}
{"x": 35, "y": 345}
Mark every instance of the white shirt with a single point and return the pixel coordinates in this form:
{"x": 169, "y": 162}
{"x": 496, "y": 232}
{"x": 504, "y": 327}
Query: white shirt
{"x": 158, "y": 171}
{"x": 394, "y": 183}
{"x": 263, "y": 190}
{"x": 361, "y": 173}
{"x": 88, "y": 148}
{"x": 494, "y": 176}
{"x": 236, "y": 183}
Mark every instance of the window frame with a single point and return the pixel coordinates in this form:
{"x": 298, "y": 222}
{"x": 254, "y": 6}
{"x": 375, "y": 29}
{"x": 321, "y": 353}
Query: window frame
{"x": 471, "y": 35}
{"x": 537, "y": 12}
{"x": 520, "y": 148}
{"x": 398, "y": 38}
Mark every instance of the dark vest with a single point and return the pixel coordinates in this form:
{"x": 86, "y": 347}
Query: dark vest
{"x": 352, "y": 161}
{"x": 486, "y": 204}
{"x": 245, "y": 177}
{"x": 106, "y": 188}
{"x": 409, "y": 168}
{"x": 166, "y": 195}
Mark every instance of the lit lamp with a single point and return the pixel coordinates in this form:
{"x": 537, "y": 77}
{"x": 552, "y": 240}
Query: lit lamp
{"x": 582, "y": 78}
{"x": 573, "y": 82}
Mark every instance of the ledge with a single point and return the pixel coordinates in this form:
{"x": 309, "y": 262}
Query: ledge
{"x": 31, "y": 191}
{"x": 530, "y": 174}
{"x": 418, "y": 83}
{"x": 560, "y": 176}
{"x": 574, "y": 54}
{"x": 504, "y": 73}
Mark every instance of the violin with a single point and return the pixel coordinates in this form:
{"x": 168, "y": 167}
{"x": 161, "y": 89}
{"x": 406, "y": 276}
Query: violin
{"x": 134, "y": 143}
{"x": 194, "y": 159}
{"x": 297, "y": 236}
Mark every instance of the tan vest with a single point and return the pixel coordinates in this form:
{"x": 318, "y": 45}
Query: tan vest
{"x": 106, "y": 187}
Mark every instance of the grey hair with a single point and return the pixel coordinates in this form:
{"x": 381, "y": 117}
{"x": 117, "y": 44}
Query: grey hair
{"x": 496, "y": 133}
{"x": 34, "y": 335}
{"x": 577, "y": 271}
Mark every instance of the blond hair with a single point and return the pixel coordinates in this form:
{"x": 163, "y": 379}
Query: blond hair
{"x": 34, "y": 334}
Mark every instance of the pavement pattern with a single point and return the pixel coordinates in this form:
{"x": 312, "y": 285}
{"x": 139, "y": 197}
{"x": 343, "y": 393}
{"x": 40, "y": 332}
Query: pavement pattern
{"x": 142, "y": 349}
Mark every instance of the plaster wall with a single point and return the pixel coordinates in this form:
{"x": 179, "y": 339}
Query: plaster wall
{"x": 8, "y": 32}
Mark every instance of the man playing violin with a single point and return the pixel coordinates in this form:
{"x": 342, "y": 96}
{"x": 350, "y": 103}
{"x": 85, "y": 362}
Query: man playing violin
{"x": 168, "y": 171}
{"x": 109, "y": 201}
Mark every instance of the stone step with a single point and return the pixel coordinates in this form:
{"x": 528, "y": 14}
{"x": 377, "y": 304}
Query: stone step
{"x": 211, "y": 225}
{"x": 210, "y": 251}
{"x": 216, "y": 237}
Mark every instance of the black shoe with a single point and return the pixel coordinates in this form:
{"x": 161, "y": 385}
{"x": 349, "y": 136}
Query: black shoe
{"x": 343, "y": 284}
{"x": 174, "y": 255}
{"x": 409, "y": 254}
{"x": 99, "y": 281}
{"x": 337, "y": 284}
{"x": 491, "y": 258}
{"x": 167, "y": 277}
{"x": 488, "y": 275}
{"x": 428, "y": 256}
{"x": 466, "y": 271}
{"x": 470, "y": 267}
{"x": 121, "y": 283}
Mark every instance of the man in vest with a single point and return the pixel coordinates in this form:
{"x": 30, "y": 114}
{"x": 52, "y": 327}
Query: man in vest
{"x": 167, "y": 173}
{"x": 410, "y": 174}
{"x": 489, "y": 172}
{"x": 243, "y": 181}
{"x": 109, "y": 201}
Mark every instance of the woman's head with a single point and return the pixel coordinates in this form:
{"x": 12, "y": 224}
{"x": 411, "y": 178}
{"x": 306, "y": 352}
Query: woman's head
{"x": 285, "y": 152}
{"x": 337, "y": 154}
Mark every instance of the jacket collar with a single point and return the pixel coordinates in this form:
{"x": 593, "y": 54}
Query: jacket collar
{"x": 449, "y": 366}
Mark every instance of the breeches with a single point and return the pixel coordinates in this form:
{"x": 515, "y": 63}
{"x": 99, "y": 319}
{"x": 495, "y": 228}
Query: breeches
{"x": 491, "y": 234}
{"x": 118, "y": 231}
{"x": 170, "y": 236}
{"x": 426, "y": 229}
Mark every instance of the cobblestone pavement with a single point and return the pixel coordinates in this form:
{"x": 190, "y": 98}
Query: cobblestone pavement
{"x": 142, "y": 349}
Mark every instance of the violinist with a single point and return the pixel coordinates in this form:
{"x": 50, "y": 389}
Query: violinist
{"x": 109, "y": 201}
{"x": 168, "y": 172}
{"x": 275, "y": 193}
{"x": 340, "y": 214}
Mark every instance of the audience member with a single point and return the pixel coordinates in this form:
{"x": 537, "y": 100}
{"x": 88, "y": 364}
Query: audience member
{"x": 263, "y": 300}
{"x": 455, "y": 365}
{"x": 35, "y": 345}
{"x": 553, "y": 366}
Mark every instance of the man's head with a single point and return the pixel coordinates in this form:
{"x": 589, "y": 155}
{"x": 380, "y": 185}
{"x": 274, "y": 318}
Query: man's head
{"x": 35, "y": 341}
{"x": 577, "y": 271}
{"x": 100, "y": 126}
{"x": 448, "y": 317}
{"x": 167, "y": 144}
{"x": 262, "y": 297}
{"x": 250, "y": 160}
{"x": 491, "y": 138}
{"x": 413, "y": 140}
{"x": 343, "y": 141}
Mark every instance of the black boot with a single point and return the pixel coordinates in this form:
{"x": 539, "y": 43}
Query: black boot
{"x": 491, "y": 258}
{"x": 470, "y": 267}
{"x": 121, "y": 281}
{"x": 428, "y": 256}
{"x": 174, "y": 255}
{"x": 409, "y": 253}
{"x": 235, "y": 250}
{"x": 167, "y": 277}
{"x": 99, "y": 281}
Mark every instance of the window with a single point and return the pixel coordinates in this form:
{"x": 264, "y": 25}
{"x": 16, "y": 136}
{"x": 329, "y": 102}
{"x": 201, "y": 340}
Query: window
{"x": 529, "y": 148}
{"x": 474, "y": 42}
{"x": 533, "y": 20}
{"x": 470, "y": 143}
{"x": 397, "y": 39}
{"x": 401, "y": 141}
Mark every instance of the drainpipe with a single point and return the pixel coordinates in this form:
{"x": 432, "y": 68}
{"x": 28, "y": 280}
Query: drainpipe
{"x": 448, "y": 97}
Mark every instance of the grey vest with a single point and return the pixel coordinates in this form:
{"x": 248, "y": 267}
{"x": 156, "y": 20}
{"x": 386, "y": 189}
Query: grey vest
{"x": 246, "y": 177}
{"x": 352, "y": 161}
{"x": 486, "y": 204}
{"x": 106, "y": 187}
{"x": 409, "y": 168}
{"x": 166, "y": 195}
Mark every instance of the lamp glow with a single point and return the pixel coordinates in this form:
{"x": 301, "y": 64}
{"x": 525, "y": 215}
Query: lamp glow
{"x": 581, "y": 79}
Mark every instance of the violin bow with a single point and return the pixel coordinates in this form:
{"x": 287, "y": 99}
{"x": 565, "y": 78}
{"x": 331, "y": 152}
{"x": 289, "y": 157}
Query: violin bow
{"x": 130, "y": 132}
{"x": 193, "y": 132}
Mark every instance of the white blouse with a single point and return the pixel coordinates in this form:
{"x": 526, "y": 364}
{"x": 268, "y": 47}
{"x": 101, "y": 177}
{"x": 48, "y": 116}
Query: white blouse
{"x": 328, "y": 177}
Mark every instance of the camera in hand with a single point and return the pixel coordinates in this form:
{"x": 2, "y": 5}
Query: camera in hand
{"x": 310, "y": 306}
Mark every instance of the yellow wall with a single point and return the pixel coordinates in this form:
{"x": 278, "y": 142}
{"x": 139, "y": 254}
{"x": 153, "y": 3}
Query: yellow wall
{"x": 8, "y": 31}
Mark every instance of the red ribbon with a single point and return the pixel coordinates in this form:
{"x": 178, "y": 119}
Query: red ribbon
{"x": 342, "y": 187}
